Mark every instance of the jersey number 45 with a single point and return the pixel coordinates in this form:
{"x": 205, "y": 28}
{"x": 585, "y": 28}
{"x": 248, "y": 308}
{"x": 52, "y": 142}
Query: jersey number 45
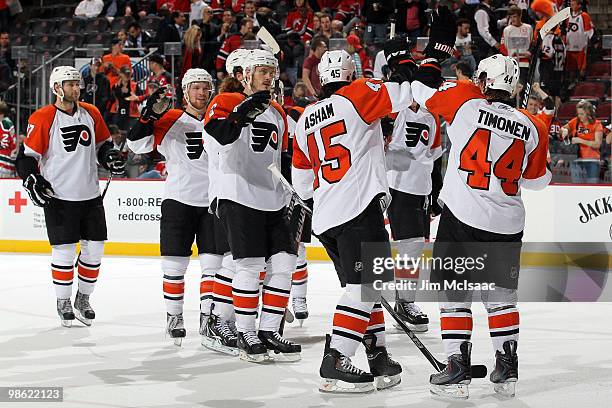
{"x": 336, "y": 159}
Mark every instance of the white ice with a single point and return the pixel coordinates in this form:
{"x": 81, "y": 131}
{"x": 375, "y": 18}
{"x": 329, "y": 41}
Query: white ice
{"x": 124, "y": 359}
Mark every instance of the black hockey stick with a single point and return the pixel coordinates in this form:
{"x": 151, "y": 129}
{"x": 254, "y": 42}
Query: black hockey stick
{"x": 546, "y": 28}
{"x": 478, "y": 371}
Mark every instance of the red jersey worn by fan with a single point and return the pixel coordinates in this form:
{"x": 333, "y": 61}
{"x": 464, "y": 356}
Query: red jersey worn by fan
{"x": 178, "y": 136}
{"x": 300, "y": 23}
{"x": 66, "y": 146}
{"x": 8, "y": 148}
{"x": 496, "y": 150}
{"x": 349, "y": 171}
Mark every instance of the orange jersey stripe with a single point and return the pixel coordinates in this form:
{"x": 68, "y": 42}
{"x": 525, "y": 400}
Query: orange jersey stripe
{"x": 275, "y": 300}
{"x": 62, "y": 275}
{"x": 376, "y": 318}
{"x": 245, "y": 302}
{"x": 174, "y": 288}
{"x": 504, "y": 320}
{"x": 350, "y": 323}
{"x": 206, "y": 286}
{"x": 165, "y": 123}
{"x": 369, "y": 97}
{"x": 456, "y": 323}
{"x": 262, "y": 275}
{"x": 222, "y": 289}
{"x": 88, "y": 273}
{"x": 299, "y": 275}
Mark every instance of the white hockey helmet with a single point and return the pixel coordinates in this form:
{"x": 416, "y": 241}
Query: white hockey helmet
{"x": 336, "y": 66}
{"x": 498, "y": 72}
{"x": 61, "y": 74}
{"x": 258, "y": 58}
{"x": 236, "y": 59}
{"x": 196, "y": 75}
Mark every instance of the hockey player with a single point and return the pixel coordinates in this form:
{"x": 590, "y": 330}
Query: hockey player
{"x": 219, "y": 333}
{"x": 496, "y": 150}
{"x": 57, "y": 163}
{"x": 414, "y": 145}
{"x": 339, "y": 144}
{"x": 248, "y": 131}
{"x": 177, "y": 134}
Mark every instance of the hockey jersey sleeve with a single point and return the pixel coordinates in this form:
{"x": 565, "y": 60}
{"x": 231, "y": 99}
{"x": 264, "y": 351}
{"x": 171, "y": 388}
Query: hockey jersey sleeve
{"x": 302, "y": 173}
{"x": 447, "y": 99}
{"x": 537, "y": 175}
{"x": 374, "y": 99}
{"x": 36, "y": 142}
{"x": 216, "y": 123}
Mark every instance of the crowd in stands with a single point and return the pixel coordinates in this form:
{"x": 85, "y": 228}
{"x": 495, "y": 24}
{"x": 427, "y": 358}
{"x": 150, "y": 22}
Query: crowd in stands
{"x": 209, "y": 30}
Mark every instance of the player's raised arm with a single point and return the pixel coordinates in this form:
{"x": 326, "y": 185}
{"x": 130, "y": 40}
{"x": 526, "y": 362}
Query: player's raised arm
{"x": 537, "y": 175}
{"x": 140, "y": 137}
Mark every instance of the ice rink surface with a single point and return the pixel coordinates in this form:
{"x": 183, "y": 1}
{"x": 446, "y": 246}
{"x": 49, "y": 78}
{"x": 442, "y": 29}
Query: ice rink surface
{"x": 124, "y": 359}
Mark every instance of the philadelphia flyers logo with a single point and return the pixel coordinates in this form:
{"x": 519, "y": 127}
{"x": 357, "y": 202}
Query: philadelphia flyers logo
{"x": 74, "y": 135}
{"x": 264, "y": 134}
{"x": 194, "y": 145}
{"x": 416, "y": 131}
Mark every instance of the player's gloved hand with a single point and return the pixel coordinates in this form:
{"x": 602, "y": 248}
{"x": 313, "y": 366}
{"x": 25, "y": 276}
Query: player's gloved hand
{"x": 157, "y": 104}
{"x": 435, "y": 208}
{"x": 39, "y": 189}
{"x": 387, "y": 126}
{"x": 114, "y": 163}
{"x": 253, "y": 106}
{"x": 399, "y": 60}
{"x": 442, "y": 35}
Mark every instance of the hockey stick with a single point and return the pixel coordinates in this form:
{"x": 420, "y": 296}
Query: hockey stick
{"x": 546, "y": 28}
{"x": 267, "y": 38}
{"x": 478, "y": 371}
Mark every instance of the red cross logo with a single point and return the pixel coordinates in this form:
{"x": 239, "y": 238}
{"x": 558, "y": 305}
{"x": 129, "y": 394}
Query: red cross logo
{"x": 18, "y": 202}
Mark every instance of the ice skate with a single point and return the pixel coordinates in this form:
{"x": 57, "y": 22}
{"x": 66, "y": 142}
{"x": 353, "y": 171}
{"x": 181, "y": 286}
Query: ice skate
{"x": 83, "y": 311}
{"x": 386, "y": 371}
{"x": 218, "y": 336}
{"x": 175, "y": 328}
{"x": 339, "y": 375}
{"x": 300, "y": 309}
{"x": 65, "y": 312}
{"x": 251, "y": 349}
{"x": 505, "y": 374}
{"x": 453, "y": 381}
{"x": 283, "y": 349}
{"x": 410, "y": 313}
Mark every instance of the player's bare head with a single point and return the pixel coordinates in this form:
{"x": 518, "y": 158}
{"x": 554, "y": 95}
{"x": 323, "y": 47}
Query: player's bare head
{"x": 65, "y": 83}
{"x": 585, "y": 111}
{"x": 534, "y": 104}
{"x": 260, "y": 71}
{"x": 336, "y": 69}
{"x": 197, "y": 88}
{"x": 497, "y": 76}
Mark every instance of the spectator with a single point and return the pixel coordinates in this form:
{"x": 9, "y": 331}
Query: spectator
{"x": 552, "y": 64}
{"x": 197, "y": 7}
{"x": 266, "y": 19}
{"x": 363, "y": 66}
{"x": 89, "y": 9}
{"x": 5, "y": 51}
{"x": 325, "y": 29}
{"x": 463, "y": 71}
{"x": 228, "y": 27}
{"x": 192, "y": 49}
{"x": 300, "y": 20}
{"x": 230, "y": 44}
{"x": 300, "y": 95}
{"x": 141, "y": 8}
{"x": 463, "y": 45}
{"x": 158, "y": 71}
{"x": 415, "y": 20}
{"x": 249, "y": 11}
{"x": 113, "y": 62}
{"x": 541, "y": 105}
{"x": 316, "y": 22}
{"x": 116, "y": 8}
{"x": 124, "y": 109}
{"x": 486, "y": 36}
{"x": 137, "y": 39}
{"x": 8, "y": 143}
{"x": 586, "y": 132}
{"x": 349, "y": 12}
{"x": 5, "y": 15}
{"x": 543, "y": 9}
{"x": 210, "y": 29}
{"x": 171, "y": 29}
{"x": 579, "y": 32}
{"x": 122, "y": 36}
{"x": 220, "y": 6}
{"x": 337, "y": 28}
{"x": 516, "y": 40}
{"x": 310, "y": 70}
{"x": 97, "y": 87}
{"x": 376, "y": 14}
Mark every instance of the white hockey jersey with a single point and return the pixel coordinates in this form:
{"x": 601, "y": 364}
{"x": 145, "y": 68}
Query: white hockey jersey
{"x": 340, "y": 139}
{"x": 579, "y": 31}
{"x": 66, "y": 146}
{"x": 241, "y": 173}
{"x": 495, "y": 151}
{"x": 410, "y": 161}
{"x": 179, "y": 137}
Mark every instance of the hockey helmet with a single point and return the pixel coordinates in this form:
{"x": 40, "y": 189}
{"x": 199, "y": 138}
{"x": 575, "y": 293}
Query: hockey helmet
{"x": 498, "y": 72}
{"x": 236, "y": 59}
{"x": 196, "y": 75}
{"x": 336, "y": 66}
{"x": 61, "y": 74}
